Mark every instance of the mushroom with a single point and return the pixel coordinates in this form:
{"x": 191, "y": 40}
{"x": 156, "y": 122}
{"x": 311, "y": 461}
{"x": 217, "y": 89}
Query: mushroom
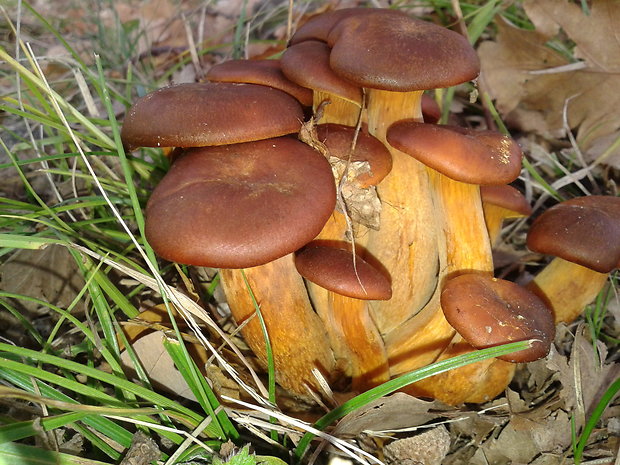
{"x": 307, "y": 64}
{"x": 262, "y": 72}
{"x": 297, "y": 336}
{"x": 280, "y": 193}
{"x": 501, "y": 202}
{"x": 350, "y": 282}
{"x": 240, "y": 205}
{"x": 199, "y": 114}
{"x": 458, "y": 161}
{"x": 488, "y": 312}
{"x": 357, "y": 171}
{"x": 584, "y": 236}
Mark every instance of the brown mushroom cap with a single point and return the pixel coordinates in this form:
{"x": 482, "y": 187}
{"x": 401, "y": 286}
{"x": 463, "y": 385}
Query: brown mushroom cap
{"x": 333, "y": 269}
{"x": 241, "y": 205}
{"x": 488, "y": 312}
{"x": 584, "y": 230}
{"x": 506, "y": 197}
{"x": 338, "y": 138}
{"x": 200, "y": 114}
{"x": 307, "y": 64}
{"x": 474, "y": 157}
{"x": 387, "y": 49}
{"x": 318, "y": 27}
{"x": 262, "y": 72}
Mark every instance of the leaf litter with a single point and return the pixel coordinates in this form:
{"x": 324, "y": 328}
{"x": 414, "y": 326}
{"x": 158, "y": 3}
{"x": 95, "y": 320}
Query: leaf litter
{"x": 533, "y": 82}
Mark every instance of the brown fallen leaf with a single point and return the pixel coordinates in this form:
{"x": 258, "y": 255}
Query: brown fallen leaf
{"x": 427, "y": 448}
{"x": 532, "y": 83}
{"x": 158, "y": 364}
{"x": 50, "y": 275}
{"x": 389, "y": 413}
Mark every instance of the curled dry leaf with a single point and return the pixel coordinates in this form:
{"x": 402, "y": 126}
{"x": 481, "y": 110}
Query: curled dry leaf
{"x": 532, "y": 83}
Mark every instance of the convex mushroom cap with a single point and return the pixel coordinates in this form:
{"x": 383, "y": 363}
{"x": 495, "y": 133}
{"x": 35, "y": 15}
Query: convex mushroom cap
{"x": 488, "y": 312}
{"x": 339, "y": 271}
{"x": 474, "y": 157}
{"x": 307, "y": 64}
{"x": 261, "y": 72}
{"x": 214, "y": 113}
{"x": 368, "y": 149}
{"x": 506, "y": 197}
{"x": 584, "y": 230}
{"x": 389, "y": 50}
{"x": 242, "y": 205}
{"x": 319, "y": 26}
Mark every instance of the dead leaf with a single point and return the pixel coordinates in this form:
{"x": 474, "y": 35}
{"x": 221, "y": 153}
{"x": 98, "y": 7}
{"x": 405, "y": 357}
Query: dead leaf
{"x": 584, "y": 377}
{"x": 532, "y": 83}
{"x": 50, "y": 275}
{"x": 427, "y": 448}
{"x": 159, "y": 365}
{"x": 388, "y": 413}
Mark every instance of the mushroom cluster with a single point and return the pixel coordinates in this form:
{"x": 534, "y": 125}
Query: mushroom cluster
{"x": 366, "y": 232}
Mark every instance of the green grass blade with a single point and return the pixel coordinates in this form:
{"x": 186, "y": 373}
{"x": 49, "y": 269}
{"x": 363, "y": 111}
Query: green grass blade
{"x": 97, "y": 395}
{"x": 20, "y": 454}
{"x": 606, "y": 399}
{"x": 26, "y": 429}
{"x": 271, "y": 366}
{"x": 16, "y": 241}
{"x": 201, "y": 389}
{"x": 125, "y": 165}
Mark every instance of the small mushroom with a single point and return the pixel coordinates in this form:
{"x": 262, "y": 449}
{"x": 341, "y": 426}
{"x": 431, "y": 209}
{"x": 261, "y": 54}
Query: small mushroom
{"x": 488, "y": 312}
{"x": 200, "y": 114}
{"x": 456, "y": 160}
{"x": 307, "y": 64}
{"x": 351, "y": 283}
{"x": 369, "y": 151}
{"x": 261, "y": 72}
{"x": 460, "y": 160}
{"x": 499, "y": 203}
{"x": 584, "y": 236}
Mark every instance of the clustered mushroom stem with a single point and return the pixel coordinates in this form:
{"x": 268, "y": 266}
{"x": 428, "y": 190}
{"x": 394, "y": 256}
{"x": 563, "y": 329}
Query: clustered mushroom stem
{"x": 467, "y": 239}
{"x": 419, "y": 340}
{"x": 296, "y": 333}
{"x": 567, "y": 288}
{"x": 369, "y": 365}
{"x": 468, "y": 250}
{"x": 358, "y": 348}
{"x": 460, "y": 217}
{"x": 406, "y": 244}
{"x": 339, "y": 110}
{"x": 494, "y": 218}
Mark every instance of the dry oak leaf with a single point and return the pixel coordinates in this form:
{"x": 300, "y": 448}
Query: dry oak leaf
{"x": 532, "y": 83}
